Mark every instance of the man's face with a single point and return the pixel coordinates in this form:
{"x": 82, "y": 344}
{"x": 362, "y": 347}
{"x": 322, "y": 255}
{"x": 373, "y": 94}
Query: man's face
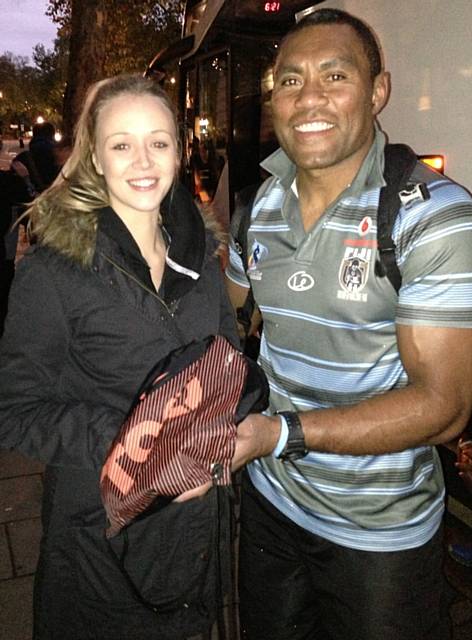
{"x": 324, "y": 101}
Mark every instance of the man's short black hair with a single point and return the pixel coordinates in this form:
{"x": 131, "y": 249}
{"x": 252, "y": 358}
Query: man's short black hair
{"x": 336, "y": 16}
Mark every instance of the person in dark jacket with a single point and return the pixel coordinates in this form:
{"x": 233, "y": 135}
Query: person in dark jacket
{"x": 124, "y": 271}
{"x": 13, "y": 197}
{"x": 40, "y": 159}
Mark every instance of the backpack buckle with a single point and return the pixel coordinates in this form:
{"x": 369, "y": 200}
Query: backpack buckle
{"x": 413, "y": 192}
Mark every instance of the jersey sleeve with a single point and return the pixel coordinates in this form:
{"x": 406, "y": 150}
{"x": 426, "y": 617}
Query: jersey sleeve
{"x": 434, "y": 254}
{"x": 235, "y": 269}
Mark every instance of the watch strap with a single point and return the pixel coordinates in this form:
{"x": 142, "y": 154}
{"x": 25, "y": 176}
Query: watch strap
{"x": 295, "y": 447}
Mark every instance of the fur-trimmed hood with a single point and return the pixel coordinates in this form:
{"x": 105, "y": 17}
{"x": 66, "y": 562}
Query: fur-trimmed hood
{"x": 191, "y": 230}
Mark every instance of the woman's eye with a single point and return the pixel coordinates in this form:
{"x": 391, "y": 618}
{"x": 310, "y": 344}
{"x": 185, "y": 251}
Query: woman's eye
{"x": 159, "y": 144}
{"x": 120, "y": 146}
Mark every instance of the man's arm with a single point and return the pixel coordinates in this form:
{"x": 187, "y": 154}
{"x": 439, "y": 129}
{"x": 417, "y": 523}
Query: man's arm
{"x": 432, "y": 409}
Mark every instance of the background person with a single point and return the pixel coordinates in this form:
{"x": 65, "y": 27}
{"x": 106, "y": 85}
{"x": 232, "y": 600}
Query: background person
{"x": 14, "y": 195}
{"x": 342, "y": 507}
{"x": 124, "y": 271}
{"x": 40, "y": 157}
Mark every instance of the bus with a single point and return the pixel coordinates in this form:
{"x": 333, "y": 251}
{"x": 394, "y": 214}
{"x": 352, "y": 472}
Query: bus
{"x": 222, "y": 66}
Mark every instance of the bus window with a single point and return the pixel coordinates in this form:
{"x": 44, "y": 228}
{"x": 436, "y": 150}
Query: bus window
{"x": 225, "y": 81}
{"x": 206, "y": 125}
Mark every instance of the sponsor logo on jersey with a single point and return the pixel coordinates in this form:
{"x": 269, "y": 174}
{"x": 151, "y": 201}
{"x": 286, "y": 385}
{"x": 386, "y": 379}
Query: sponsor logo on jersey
{"x": 257, "y": 253}
{"x": 300, "y": 281}
{"x": 365, "y": 226}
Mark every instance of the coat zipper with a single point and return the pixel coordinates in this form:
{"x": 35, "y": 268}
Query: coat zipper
{"x": 138, "y": 282}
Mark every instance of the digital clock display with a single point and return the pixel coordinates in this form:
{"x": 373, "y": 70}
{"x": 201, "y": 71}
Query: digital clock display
{"x": 272, "y": 7}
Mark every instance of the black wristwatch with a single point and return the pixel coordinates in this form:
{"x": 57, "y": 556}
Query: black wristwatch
{"x": 295, "y": 447}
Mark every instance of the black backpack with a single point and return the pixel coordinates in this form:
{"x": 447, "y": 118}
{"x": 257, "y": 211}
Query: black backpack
{"x": 400, "y": 161}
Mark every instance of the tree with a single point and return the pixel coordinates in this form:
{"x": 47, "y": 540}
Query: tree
{"x": 109, "y": 37}
{"x": 18, "y": 103}
{"x": 89, "y": 20}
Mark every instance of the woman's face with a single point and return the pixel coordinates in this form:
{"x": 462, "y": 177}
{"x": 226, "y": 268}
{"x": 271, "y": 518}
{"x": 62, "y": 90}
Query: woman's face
{"x": 136, "y": 152}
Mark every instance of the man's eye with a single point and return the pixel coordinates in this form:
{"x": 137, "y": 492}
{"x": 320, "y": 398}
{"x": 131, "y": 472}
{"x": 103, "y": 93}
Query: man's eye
{"x": 335, "y": 77}
{"x": 289, "y": 82}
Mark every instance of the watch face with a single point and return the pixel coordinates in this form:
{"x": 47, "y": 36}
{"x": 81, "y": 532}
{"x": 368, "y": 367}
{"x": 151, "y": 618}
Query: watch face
{"x": 295, "y": 447}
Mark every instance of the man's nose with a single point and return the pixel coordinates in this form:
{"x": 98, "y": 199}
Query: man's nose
{"x": 312, "y": 93}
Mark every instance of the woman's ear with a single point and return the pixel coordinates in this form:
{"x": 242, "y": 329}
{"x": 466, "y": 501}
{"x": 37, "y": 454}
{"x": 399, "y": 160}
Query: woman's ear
{"x": 96, "y": 164}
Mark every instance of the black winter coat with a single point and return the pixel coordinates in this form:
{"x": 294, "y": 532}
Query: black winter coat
{"x": 78, "y": 343}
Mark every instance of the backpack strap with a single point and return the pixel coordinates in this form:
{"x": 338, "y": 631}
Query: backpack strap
{"x": 400, "y": 161}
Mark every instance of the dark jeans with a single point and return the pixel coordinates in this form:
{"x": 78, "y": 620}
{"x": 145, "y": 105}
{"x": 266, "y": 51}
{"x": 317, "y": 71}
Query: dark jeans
{"x": 294, "y": 585}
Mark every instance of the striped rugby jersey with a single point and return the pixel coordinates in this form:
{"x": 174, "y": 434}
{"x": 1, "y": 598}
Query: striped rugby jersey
{"x": 329, "y": 340}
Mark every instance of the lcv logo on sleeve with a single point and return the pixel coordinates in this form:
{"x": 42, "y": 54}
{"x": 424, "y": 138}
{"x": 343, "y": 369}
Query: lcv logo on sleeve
{"x": 354, "y": 273}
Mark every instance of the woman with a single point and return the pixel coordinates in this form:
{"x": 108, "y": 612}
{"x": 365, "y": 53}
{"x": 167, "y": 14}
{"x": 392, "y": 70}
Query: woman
{"x": 124, "y": 271}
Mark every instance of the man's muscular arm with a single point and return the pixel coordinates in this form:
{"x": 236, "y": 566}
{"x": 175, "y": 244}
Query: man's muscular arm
{"x": 433, "y": 408}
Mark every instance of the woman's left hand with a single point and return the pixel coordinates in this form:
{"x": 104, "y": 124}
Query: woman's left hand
{"x": 198, "y": 492}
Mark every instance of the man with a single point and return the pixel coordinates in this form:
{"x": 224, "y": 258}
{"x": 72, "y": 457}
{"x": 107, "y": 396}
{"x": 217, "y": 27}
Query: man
{"x": 344, "y": 541}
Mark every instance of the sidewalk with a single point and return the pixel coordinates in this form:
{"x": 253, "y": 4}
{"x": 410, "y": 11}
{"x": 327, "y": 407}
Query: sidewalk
{"x": 20, "y": 527}
{"x": 20, "y": 530}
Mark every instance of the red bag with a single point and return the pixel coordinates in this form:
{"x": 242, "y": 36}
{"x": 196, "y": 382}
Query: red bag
{"x": 181, "y": 432}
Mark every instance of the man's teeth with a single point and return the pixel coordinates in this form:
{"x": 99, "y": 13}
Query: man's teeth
{"x": 145, "y": 182}
{"x": 314, "y": 126}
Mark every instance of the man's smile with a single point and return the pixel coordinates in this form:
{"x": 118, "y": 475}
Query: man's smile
{"x": 310, "y": 127}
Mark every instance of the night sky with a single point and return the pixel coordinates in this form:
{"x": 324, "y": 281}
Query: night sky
{"x": 23, "y": 25}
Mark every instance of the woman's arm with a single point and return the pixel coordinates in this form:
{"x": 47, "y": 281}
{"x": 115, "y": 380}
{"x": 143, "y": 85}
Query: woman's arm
{"x": 37, "y": 418}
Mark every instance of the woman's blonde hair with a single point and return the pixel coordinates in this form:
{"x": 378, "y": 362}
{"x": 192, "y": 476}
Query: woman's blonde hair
{"x": 71, "y": 203}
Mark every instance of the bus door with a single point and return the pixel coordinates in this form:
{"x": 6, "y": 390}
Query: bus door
{"x": 206, "y": 122}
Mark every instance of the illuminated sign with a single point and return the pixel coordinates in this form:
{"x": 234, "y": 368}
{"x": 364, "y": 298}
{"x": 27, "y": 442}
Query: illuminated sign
{"x": 272, "y": 7}
{"x": 437, "y": 162}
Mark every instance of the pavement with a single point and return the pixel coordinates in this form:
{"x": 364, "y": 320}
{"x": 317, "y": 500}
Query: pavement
{"x": 20, "y": 531}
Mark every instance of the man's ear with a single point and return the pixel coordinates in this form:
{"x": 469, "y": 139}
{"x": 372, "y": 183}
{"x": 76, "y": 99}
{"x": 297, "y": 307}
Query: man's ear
{"x": 381, "y": 92}
{"x": 96, "y": 164}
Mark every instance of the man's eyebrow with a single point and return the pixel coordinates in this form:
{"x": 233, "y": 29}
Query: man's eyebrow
{"x": 287, "y": 68}
{"x": 339, "y": 61}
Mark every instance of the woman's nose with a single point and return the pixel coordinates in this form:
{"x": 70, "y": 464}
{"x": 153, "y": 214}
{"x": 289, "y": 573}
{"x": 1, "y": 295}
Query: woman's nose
{"x": 142, "y": 158}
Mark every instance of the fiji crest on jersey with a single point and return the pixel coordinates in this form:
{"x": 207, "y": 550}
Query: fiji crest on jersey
{"x": 354, "y": 273}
